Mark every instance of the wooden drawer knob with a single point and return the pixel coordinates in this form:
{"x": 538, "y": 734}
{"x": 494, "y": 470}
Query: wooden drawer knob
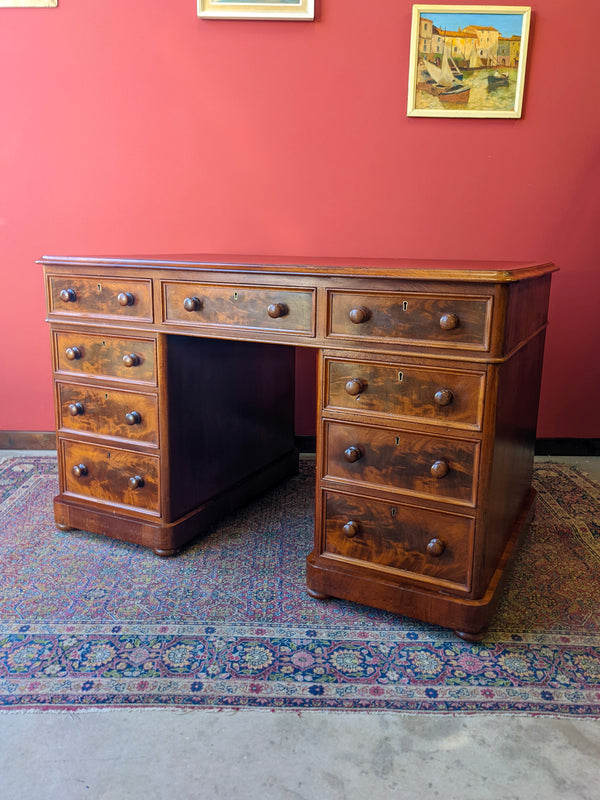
{"x": 448, "y": 322}
{"x": 192, "y": 304}
{"x": 358, "y": 315}
{"x": 352, "y": 454}
{"x": 276, "y": 310}
{"x": 131, "y": 359}
{"x": 439, "y": 469}
{"x": 125, "y": 299}
{"x": 351, "y": 529}
{"x": 443, "y": 397}
{"x": 79, "y": 470}
{"x": 75, "y": 409}
{"x": 133, "y": 418}
{"x": 135, "y": 482}
{"x": 355, "y": 386}
{"x": 73, "y": 353}
{"x": 436, "y": 547}
{"x": 68, "y": 295}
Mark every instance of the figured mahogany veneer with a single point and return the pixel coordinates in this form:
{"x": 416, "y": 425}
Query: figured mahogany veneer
{"x": 398, "y": 460}
{"x": 107, "y": 412}
{"x": 174, "y": 385}
{"x": 109, "y": 475}
{"x": 264, "y": 308}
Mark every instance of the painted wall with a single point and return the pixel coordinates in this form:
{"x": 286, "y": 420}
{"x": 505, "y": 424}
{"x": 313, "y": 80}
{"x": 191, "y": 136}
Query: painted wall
{"x": 129, "y": 127}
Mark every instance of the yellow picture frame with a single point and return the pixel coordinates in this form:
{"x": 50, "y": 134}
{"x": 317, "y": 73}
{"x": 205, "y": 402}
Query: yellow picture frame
{"x": 257, "y": 9}
{"x": 468, "y": 61}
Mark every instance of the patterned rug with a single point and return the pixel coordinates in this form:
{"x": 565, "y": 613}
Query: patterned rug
{"x": 88, "y": 622}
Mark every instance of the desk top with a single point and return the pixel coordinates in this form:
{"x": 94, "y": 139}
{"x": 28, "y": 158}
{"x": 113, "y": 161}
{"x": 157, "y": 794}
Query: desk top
{"x": 416, "y": 269}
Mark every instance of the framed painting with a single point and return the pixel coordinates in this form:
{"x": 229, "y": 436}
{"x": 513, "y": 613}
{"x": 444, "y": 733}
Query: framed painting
{"x": 467, "y": 61}
{"x": 257, "y": 9}
{"x": 28, "y": 3}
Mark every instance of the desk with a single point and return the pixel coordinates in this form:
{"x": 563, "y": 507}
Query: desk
{"x": 174, "y": 395}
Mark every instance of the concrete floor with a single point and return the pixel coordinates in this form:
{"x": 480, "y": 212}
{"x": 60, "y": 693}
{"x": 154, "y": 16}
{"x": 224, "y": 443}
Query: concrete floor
{"x": 285, "y": 755}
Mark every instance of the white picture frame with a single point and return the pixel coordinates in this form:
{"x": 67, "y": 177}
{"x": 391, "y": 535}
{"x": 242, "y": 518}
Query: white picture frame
{"x": 467, "y": 61}
{"x": 28, "y": 3}
{"x": 257, "y": 9}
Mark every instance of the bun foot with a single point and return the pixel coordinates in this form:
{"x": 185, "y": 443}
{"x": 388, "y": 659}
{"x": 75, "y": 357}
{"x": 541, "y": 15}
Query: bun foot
{"x": 471, "y": 637}
{"x": 62, "y": 527}
{"x": 316, "y": 595}
{"x": 167, "y": 553}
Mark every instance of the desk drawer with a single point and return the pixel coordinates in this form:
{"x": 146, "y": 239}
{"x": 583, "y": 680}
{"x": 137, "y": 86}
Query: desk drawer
{"x": 219, "y": 305}
{"x": 120, "y": 357}
{"x": 437, "y": 396}
{"x": 91, "y": 297}
{"x": 111, "y": 475}
{"x": 453, "y": 321}
{"x": 108, "y": 412}
{"x": 428, "y": 466}
{"x": 398, "y": 539}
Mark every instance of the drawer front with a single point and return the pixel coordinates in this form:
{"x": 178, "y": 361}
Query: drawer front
{"x": 108, "y": 412}
{"x": 107, "y": 356}
{"x": 422, "y": 319}
{"x": 111, "y": 475}
{"x": 260, "y": 308}
{"x": 401, "y": 540}
{"x": 100, "y": 298}
{"x": 437, "y": 396}
{"x": 428, "y": 466}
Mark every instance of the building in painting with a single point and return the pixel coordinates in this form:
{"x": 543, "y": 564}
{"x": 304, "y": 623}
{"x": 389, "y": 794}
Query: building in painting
{"x": 425, "y": 31}
{"x": 437, "y": 42}
{"x": 459, "y": 44}
{"x": 473, "y": 45}
{"x": 432, "y": 41}
{"x": 503, "y": 52}
{"x": 487, "y": 37}
{"x": 515, "y": 50}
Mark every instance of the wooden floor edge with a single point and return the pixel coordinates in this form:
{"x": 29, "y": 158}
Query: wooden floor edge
{"x": 27, "y": 440}
{"x": 46, "y": 440}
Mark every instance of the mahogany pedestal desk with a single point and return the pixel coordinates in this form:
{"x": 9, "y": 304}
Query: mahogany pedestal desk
{"x": 174, "y": 390}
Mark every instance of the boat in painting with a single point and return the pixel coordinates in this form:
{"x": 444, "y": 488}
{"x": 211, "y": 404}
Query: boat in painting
{"x": 474, "y": 62}
{"x": 454, "y": 69}
{"x": 457, "y": 93}
{"x": 442, "y": 82}
{"x": 497, "y": 79}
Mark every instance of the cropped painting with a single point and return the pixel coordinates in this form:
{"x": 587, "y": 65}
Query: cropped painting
{"x": 468, "y": 61}
{"x": 28, "y": 3}
{"x": 257, "y": 9}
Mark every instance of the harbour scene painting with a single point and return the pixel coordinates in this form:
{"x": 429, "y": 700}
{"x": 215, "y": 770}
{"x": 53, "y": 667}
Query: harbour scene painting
{"x": 468, "y": 61}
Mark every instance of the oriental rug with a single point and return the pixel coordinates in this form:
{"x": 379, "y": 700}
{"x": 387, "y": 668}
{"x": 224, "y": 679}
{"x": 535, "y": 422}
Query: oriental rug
{"x": 89, "y": 623}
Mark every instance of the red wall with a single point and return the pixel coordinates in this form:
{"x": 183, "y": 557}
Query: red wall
{"x": 134, "y": 127}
